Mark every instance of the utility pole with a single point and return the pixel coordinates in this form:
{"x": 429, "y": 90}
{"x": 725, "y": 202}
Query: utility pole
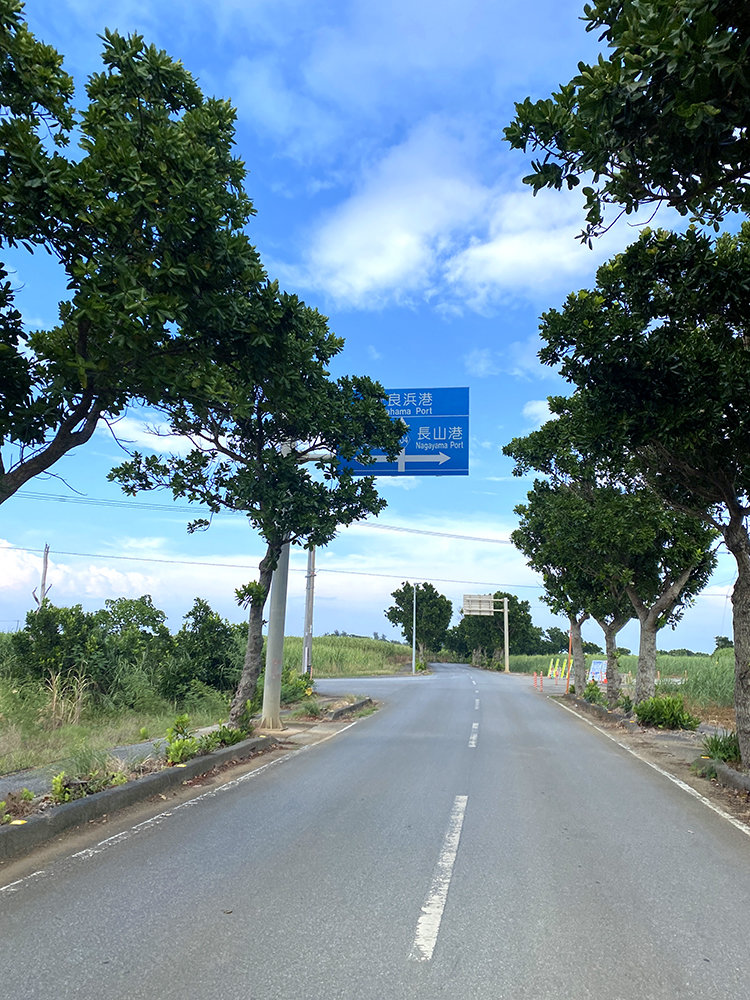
{"x": 505, "y": 633}
{"x": 44, "y": 589}
{"x": 414, "y": 632}
{"x": 271, "y": 718}
{"x": 309, "y": 603}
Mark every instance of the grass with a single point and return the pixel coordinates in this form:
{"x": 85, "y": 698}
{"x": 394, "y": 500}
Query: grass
{"x": 27, "y": 741}
{"x": 38, "y": 727}
{"x": 349, "y": 656}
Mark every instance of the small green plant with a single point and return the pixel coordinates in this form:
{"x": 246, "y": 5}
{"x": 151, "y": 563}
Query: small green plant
{"x": 26, "y": 795}
{"x": 178, "y": 751}
{"x": 61, "y": 788}
{"x": 143, "y": 734}
{"x": 182, "y": 744}
{"x": 593, "y": 694}
{"x": 228, "y": 737}
{"x": 180, "y": 729}
{"x": 311, "y": 710}
{"x": 208, "y": 742}
{"x": 625, "y": 703}
{"x": 666, "y": 712}
{"x": 5, "y": 816}
{"x": 723, "y": 745}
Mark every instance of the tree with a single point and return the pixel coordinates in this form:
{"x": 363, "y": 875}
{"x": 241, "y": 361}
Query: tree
{"x": 555, "y": 534}
{"x": 483, "y": 636}
{"x": 722, "y": 642}
{"x": 600, "y": 546}
{"x": 270, "y": 413}
{"x": 661, "y": 118}
{"x": 658, "y": 353}
{"x": 146, "y": 220}
{"x": 434, "y": 613}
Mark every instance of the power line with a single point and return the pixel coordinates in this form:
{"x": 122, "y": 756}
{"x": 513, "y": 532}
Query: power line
{"x": 319, "y": 570}
{"x": 181, "y": 508}
{"x": 254, "y": 567}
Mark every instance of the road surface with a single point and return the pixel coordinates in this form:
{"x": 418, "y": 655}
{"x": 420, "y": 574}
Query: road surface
{"x": 471, "y": 840}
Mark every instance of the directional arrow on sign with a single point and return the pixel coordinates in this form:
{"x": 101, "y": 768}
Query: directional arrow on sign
{"x": 403, "y": 459}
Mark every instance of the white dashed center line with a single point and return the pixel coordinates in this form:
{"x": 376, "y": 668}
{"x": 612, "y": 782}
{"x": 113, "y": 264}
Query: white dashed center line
{"x": 428, "y": 925}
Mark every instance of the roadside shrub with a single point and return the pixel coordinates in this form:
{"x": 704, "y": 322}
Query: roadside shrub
{"x": 228, "y": 737}
{"x": 666, "y": 712}
{"x": 182, "y": 743}
{"x": 202, "y": 698}
{"x": 625, "y": 703}
{"x": 593, "y": 694}
{"x": 722, "y": 746}
{"x": 182, "y": 749}
{"x": 294, "y": 686}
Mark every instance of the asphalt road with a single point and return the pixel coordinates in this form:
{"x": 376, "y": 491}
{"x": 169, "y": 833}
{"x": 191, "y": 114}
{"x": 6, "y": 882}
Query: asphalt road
{"x": 471, "y": 840}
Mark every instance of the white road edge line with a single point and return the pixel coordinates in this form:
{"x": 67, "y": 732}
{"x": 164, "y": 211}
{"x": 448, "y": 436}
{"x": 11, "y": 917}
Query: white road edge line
{"x": 672, "y": 777}
{"x": 428, "y": 925}
{"x": 474, "y": 735}
{"x": 476, "y": 704}
{"x": 124, "y": 835}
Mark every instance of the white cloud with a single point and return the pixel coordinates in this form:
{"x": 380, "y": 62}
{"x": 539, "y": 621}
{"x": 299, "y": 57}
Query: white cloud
{"x": 149, "y": 434}
{"x": 536, "y": 412}
{"x": 384, "y": 243}
{"x": 520, "y": 359}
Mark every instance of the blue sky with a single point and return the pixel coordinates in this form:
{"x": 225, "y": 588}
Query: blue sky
{"x": 386, "y": 198}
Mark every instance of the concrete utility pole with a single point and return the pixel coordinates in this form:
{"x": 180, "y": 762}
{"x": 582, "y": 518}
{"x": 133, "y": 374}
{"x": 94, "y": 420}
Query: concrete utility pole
{"x": 414, "y": 632}
{"x": 309, "y": 603}
{"x": 43, "y": 587}
{"x": 505, "y": 633}
{"x": 271, "y": 718}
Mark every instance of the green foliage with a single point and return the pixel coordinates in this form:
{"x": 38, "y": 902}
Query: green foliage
{"x": 180, "y": 728}
{"x": 61, "y": 790}
{"x": 723, "y": 642}
{"x": 593, "y": 694}
{"x": 723, "y": 745}
{"x": 433, "y": 614}
{"x": 5, "y": 816}
{"x": 660, "y": 117}
{"x": 228, "y": 737}
{"x": 205, "y": 652}
{"x": 183, "y": 744}
{"x": 666, "y": 712}
{"x": 160, "y": 185}
{"x": 310, "y": 710}
{"x": 710, "y": 680}
{"x": 56, "y": 641}
{"x": 484, "y": 636}
{"x": 349, "y": 656}
{"x": 625, "y": 703}
{"x": 182, "y": 749}
{"x": 294, "y": 685}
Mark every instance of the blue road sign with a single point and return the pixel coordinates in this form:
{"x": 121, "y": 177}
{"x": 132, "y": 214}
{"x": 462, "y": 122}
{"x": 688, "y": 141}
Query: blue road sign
{"x": 437, "y": 442}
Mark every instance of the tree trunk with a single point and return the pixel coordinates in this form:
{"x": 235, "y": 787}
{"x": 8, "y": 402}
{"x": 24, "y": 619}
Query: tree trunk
{"x": 645, "y": 679}
{"x": 738, "y": 543}
{"x": 650, "y": 619}
{"x": 254, "y": 649}
{"x": 579, "y": 658}
{"x": 610, "y": 630}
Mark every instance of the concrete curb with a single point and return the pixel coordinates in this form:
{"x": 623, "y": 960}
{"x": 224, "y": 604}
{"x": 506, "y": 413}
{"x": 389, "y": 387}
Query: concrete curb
{"x": 727, "y": 775}
{"x": 16, "y": 840}
{"x": 354, "y": 707}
